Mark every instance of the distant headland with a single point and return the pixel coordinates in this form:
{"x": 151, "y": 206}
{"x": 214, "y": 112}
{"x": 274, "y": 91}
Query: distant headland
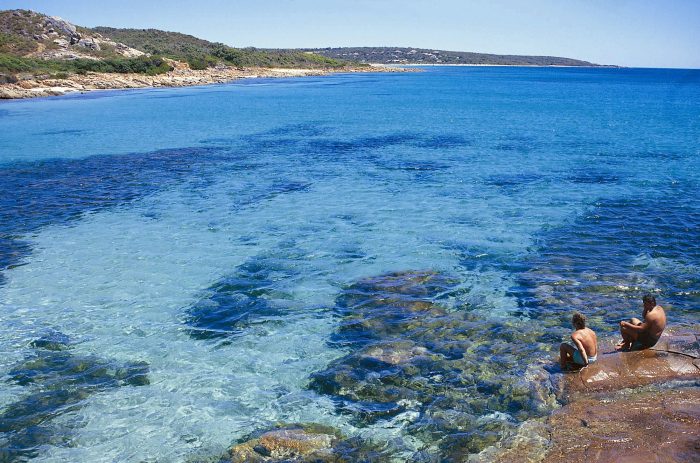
{"x": 423, "y": 56}
{"x": 44, "y": 55}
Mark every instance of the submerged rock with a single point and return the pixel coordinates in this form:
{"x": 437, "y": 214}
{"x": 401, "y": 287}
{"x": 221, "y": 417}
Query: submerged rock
{"x": 284, "y": 444}
{"x": 58, "y": 381}
{"x": 52, "y": 341}
{"x": 249, "y": 295}
{"x": 307, "y": 443}
{"x": 452, "y": 379}
{"x": 58, "y": 370}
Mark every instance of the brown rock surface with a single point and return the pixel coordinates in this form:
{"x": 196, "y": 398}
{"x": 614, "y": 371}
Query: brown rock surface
{"x": 621, "y": 412}
{"x": 634, "y": 427}
{"x": 674, "y": 357}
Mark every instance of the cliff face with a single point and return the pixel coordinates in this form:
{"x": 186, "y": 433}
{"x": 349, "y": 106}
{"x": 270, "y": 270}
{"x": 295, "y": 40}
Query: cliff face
{"x": 26, "y": 33}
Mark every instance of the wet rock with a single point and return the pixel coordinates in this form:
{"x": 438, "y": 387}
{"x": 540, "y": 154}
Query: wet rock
{"x": 394, "y": 353}
{"x": 528, "y": 444}
{"x": 639, "y": 426}
{"x": 622, "y": 410}
{"x": 674, "y": 357}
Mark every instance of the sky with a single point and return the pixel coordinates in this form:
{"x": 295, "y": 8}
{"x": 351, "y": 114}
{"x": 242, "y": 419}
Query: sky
{"x": 639, "y": 33}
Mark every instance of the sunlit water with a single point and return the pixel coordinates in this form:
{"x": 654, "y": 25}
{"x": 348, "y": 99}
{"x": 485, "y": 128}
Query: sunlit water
{"x": 211, "y": 233}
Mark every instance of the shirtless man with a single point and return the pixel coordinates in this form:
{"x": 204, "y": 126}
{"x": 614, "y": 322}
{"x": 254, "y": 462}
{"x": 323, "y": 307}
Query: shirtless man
{"x": 638, "y": 335}
{"x": 584, "y": 349}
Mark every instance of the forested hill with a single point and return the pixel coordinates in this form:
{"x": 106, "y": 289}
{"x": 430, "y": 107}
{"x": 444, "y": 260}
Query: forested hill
{"x": 393, "y": 55}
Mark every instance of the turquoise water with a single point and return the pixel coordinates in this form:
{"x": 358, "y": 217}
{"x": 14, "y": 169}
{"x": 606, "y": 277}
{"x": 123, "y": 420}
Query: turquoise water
{"x": 196, "y": 254}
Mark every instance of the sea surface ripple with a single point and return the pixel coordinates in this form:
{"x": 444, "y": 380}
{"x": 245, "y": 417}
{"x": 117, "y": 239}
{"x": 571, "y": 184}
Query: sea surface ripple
{"x": 393, "y": 255}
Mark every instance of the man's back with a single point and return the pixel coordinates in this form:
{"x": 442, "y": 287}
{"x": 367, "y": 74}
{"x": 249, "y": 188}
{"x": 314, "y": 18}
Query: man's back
{"x": 588, "y": 339}
{"x": 655, "y": 320}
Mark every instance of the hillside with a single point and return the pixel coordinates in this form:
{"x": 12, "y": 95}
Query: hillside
{"x": 200, "y": 53}
{"x": 36, "y": 44}
{"x": 393, "y": 55}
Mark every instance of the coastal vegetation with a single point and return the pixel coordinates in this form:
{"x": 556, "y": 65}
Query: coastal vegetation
{"x": 200, "y": 53}
{"x": 148, "y": 65}
{"x": 402, "y": 55}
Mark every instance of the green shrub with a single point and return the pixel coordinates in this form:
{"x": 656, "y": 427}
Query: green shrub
{"x": 149, "y": 65}
{"x": 201, "y": 62}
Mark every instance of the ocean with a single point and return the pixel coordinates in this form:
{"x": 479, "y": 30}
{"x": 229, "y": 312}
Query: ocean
{"x": 396, "y": 256}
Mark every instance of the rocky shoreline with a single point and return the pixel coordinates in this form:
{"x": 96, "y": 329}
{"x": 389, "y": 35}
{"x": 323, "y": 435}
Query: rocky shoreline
{"x": 180, "y": 76}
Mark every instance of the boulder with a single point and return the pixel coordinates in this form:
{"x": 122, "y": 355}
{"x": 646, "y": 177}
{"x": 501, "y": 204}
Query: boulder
{"x": 55, "y": 23}
{"x": 7, "y": 79}
{"x": 90, "y": 44}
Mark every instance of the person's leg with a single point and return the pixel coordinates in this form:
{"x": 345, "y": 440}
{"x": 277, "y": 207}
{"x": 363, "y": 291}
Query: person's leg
{"x": 566, "y": 354}
{"x": 628, "y": 336}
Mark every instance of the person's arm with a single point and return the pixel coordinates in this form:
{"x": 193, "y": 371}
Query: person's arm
{"x": 581, "y": 349}
{"x": 641, "y": 327}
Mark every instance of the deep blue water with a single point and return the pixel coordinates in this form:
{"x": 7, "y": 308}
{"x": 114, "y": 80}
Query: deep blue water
{"x": 240, "y": 245}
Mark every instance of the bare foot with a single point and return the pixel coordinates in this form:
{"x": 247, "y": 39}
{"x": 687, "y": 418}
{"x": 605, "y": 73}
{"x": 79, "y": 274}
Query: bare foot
{"x": 622, "y": 345}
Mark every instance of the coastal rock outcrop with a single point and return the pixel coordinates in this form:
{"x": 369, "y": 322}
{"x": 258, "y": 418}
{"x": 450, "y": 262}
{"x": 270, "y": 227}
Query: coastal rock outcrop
{"x": 622, "y": 408}
{"x": 643, "y": 425}
{"x": 57, "y": 25}
{"x": 675, "y": 357}
{"x": 181, "y": 76}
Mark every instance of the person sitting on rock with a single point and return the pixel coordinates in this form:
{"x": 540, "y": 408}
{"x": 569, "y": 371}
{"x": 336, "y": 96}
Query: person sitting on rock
{"x": 638, "y": 335}
{"x": 584, "y": 348}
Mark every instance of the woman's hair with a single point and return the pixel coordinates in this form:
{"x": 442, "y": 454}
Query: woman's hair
{"x": 578, "y": 320}
{"x": 648, "y": 298}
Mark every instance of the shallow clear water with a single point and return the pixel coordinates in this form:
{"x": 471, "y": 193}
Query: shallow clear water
{"x": 215, "y": 233}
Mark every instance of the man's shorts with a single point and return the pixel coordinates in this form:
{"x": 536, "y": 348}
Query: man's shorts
{"x": 578, "y": 358}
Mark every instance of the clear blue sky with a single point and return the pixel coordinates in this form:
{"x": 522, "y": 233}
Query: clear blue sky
{"x": 649, "y": 33}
